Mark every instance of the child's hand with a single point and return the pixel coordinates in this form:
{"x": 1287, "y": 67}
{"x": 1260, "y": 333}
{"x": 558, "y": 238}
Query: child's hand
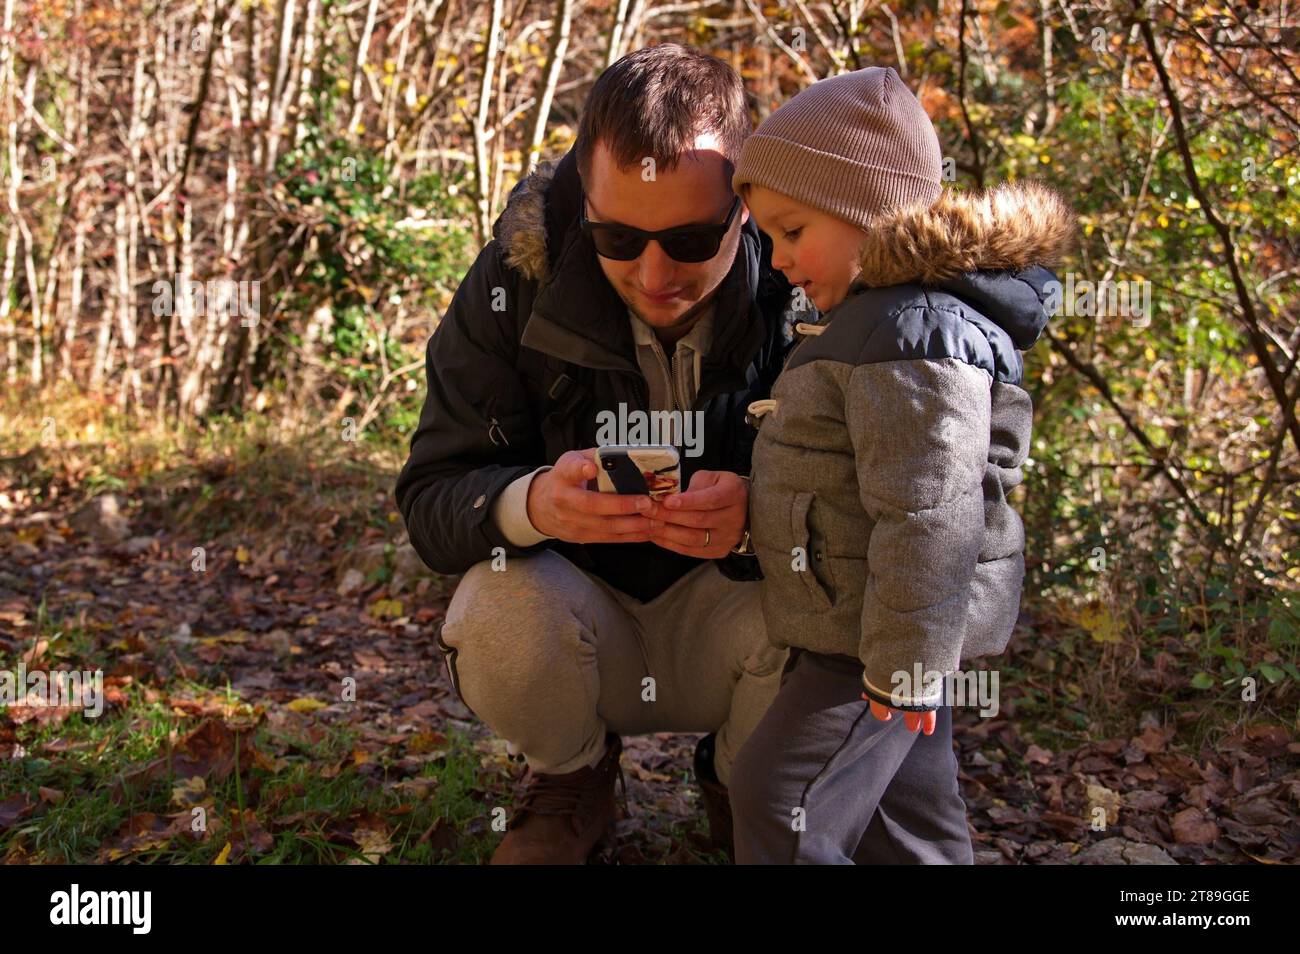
{"x": 912, "y": 720}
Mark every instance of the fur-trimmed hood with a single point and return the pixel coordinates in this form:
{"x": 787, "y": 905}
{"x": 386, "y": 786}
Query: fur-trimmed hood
{"x": 1008, "y": 227}
{"x": 521, "y": 227}
{"x": 994, "y": 247}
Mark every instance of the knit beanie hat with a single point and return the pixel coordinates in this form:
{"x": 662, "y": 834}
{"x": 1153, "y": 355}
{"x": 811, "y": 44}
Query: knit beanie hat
{"x": 853, "y": 146}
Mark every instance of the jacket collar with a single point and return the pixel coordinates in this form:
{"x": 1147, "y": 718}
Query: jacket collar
{"x": 576, "y": 315}
{"x": 991, "y": 247}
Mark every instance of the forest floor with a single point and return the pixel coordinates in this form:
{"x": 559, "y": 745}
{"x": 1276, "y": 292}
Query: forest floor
{"x": 272, "y": 693}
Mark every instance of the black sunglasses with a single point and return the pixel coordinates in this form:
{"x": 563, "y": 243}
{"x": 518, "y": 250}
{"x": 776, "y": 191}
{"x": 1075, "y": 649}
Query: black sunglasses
{"x": 686, "y": 243}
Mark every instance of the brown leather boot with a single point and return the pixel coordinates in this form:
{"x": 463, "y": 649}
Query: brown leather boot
{"x": 717, "y": 800}
{"x": 561, "y": 817}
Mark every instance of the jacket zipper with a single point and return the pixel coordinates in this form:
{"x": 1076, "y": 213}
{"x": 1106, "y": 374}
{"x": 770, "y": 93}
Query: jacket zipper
{"x": 668, "y": 370}
{"x": 679, "y": 385}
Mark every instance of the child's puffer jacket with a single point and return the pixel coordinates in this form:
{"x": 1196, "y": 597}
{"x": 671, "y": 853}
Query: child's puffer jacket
{"x": 880, "y": 476}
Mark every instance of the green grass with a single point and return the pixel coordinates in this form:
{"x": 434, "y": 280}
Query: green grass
{"x": 93, "y": 770}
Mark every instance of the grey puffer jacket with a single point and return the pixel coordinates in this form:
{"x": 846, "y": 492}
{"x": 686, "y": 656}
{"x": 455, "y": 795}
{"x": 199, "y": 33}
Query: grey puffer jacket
{"x": 883, "y": 462}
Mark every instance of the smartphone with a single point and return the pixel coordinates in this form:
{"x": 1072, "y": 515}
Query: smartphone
{"x": 653, "y": 469}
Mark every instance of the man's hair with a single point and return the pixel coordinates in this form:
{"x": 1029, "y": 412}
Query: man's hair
{"x": 655, "y": 101}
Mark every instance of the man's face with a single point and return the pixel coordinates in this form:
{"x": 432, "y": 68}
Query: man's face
{"x": 663, "y": 292}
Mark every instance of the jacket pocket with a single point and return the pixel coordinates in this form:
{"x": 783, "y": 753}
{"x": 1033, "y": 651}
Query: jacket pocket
{"x": 814, "y": 554}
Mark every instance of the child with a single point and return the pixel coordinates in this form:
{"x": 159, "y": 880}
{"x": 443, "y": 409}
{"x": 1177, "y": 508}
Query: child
{"x": 881, "y": 467}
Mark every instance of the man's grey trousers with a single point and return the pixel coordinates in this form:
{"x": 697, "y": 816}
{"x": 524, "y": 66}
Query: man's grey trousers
{"x": 551, "y": 657}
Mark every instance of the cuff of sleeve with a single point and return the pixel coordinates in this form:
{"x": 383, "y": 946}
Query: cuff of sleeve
{"x": 918, "y": 702}
{"x": 510, "y": 512}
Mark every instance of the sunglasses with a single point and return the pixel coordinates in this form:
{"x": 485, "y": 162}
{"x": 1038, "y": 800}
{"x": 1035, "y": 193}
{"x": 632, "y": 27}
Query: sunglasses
{"x": 687, "y": 243}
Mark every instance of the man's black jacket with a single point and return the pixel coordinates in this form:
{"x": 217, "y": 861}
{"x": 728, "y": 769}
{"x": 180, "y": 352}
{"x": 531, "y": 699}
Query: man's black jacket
{"x": 536, "y": 305}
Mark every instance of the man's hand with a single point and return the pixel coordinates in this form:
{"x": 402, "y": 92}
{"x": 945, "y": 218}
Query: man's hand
{"x": 714, "y": 508}
{"x": 911, "y": 720}
{"x": 560, "y": 505}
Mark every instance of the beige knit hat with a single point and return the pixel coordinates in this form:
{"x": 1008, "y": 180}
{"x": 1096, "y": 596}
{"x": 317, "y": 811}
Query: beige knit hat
{"x": 853, "y": 146}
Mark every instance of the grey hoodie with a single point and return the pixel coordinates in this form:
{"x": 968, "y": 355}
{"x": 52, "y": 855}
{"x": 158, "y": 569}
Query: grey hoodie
{"x": 880, "y": 477}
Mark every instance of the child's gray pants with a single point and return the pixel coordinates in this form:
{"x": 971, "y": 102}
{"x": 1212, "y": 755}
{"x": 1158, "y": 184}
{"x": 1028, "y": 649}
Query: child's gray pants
{"x": 823, "y": 781}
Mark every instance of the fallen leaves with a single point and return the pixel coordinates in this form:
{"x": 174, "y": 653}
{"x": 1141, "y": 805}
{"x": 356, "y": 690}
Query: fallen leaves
{"x": 1154, "y": 801}
{"x": 247, "y": 836}
{"x": 211, "y": 751}
{"x": 386, "y": 609}
{"x": 145, "y": 832}
{"x": 305, "y": 705}
{"x": 427, "y": 742}
{"x": 1038, "y": 756}
{"x": 373, "y": 844}
{"x": 1103, "y": 799}
{"x": 13, "y": 810}
{"x": 190, "y": 791}
{"x": 1191, "y": 827}
{"x": 418, "y": 788}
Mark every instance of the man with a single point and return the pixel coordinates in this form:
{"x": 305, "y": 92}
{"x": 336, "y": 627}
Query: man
{"x": 582, "y": 616}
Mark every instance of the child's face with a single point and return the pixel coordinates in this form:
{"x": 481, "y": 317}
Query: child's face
{"x": 813, "y": 249}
